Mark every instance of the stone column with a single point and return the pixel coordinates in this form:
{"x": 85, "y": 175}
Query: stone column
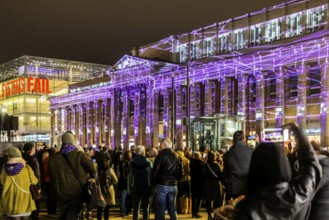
{"x": 67, "y": 118}
{"x": 140, "y": 115}
{"x": 75, "y": 124}
{"x": 242, "y": 88}
{"x": 302, "y": 95}
{"x": 107, "y": 123}
{"x": 193, "y": 101}
{"x": 82, "y": 124}
{"x": 166, "y": 114}
{"x": 52, "y": 128}
{"x": 208, "y": 98}
{"x": 260, "y": 103}
{"x": 98, "y": 122}
{"x": 126, "y": 120}
{"x": 152, "y": 118}
{"x": 279, "y": 102}
{"x": 325, "y": 103}
{"x": 217, "y": 97}
{"x": 116, "y": 118}
{"x": 225, "y": 96}
{"x": 180, "y": 115}
{"x": 59, "y": 125}
{"x": 90, "y": 124}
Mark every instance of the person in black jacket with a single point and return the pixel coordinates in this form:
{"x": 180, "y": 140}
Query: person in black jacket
{"x": 212, "y": 176}
{"x": 32, "y": 161}
{"x": 272, "y": 192}
{"x": 167, "y": 170}
{"x": 196, "y": 183}
{"x": 320, "y": 202}
{"x": 141, "y": 169}
{"x": 236, "y": 166}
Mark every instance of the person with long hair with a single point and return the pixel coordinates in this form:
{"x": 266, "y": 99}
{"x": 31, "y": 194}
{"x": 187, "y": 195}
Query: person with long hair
{"x": 107, "y": 179}
{"x": 16, "y": 178}
{"x": 212, "y": 175}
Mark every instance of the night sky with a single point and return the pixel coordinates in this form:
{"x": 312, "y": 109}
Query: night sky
{"x": 102, "y": 31}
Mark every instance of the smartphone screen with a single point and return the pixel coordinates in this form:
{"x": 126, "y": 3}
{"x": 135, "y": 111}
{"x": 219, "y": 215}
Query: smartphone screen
{"x": 285, "y": 135}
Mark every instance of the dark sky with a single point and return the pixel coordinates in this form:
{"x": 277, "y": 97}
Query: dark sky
{"x": 102, "y": 31}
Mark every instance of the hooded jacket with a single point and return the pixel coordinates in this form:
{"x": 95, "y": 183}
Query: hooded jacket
{"x": 16, "y": 198}
{"x": 272, "y": 194}
{"x": 141, "y": 169}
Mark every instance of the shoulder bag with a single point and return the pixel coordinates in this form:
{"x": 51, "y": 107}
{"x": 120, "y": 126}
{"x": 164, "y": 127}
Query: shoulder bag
{"x": 86, "y": 194}
{"x": 222, "y": 192}
{"x": 34, "y": 188}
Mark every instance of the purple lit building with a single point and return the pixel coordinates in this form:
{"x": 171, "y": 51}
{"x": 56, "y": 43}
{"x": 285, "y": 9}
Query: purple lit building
{"x": 258, "y": 71}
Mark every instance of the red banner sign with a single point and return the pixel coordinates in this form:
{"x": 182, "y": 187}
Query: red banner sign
{"x": 18, "y": 86}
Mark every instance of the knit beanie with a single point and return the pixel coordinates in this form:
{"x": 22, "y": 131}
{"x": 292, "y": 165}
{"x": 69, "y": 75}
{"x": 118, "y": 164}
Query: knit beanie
{"x": 68, "y": 138}
{"x": 13, "y": 152}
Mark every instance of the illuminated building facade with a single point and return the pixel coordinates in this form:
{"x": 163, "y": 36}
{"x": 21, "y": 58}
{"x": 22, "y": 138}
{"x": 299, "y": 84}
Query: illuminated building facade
{"x": 269, "y": 67}
{"x": 27, "y": 82}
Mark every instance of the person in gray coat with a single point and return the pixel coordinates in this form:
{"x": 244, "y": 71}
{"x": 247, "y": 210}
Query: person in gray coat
{"x": 236, "y": 166}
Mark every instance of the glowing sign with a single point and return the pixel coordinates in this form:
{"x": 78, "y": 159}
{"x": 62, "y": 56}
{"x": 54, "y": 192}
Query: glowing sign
{"x": 20, "y": 85}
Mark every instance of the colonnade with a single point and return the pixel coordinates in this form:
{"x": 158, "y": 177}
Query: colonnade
{"x": 141, "y": 114}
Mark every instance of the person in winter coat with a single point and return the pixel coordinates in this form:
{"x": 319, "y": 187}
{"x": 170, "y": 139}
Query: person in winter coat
{"x": 16, "y": 178}
{"x": 184, "y": 186}
{"x": 107, "y": 179}
{"x": 211, "y": 191}
{"x": 141, "y": 169}
{"x": 68, "y": 172}
{"x": 272, "y": 193}
{"x": 167, "y": 170}
{"x": 196, "y": 183}
{"x": 236, "y": 166}
{"x": 31, "y": 160}
{"x": 124, "y": 169}
{"x": 51, "y": 202}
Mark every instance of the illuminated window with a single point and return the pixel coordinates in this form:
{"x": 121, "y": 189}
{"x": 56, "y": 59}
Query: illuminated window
{"x": 208, "y": 47}
{"x": 270, "y": 91}
{"x": 256, "y": 35}
{"x": 238, "y": 42}
{"x": 315, "y": 80}
{"x": 293, "y": 84}
{"x": 223, "y": 43}
{"x": 195, "y": 50}
{"x": 252, "y": 85}
{"x": 315, "y": 18}
{"x": 294, "y": 25}
{"x": 273, "y": 29}
{"x": 183, "y": 52}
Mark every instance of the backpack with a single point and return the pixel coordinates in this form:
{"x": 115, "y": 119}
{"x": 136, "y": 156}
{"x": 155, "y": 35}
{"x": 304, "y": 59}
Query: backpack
{"x": 104, "y": 181}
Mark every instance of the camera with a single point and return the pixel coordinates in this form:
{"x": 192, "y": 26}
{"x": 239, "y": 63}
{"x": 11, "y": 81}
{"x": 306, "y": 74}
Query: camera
{"x": 251, "y": 137}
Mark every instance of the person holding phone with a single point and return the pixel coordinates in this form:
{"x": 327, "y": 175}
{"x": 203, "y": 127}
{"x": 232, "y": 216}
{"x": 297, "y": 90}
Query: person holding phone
{"x": 272, "y": 192}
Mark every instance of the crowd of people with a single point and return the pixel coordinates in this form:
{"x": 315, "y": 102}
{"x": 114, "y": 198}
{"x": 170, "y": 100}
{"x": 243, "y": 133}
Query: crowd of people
{"x": 288, "y": 181}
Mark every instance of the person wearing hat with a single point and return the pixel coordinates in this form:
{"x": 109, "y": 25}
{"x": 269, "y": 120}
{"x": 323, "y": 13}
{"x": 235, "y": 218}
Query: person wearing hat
{"x": 32, "y": 161}
{"x": 16, "y": 179}
{"x": 68, "y": 170}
